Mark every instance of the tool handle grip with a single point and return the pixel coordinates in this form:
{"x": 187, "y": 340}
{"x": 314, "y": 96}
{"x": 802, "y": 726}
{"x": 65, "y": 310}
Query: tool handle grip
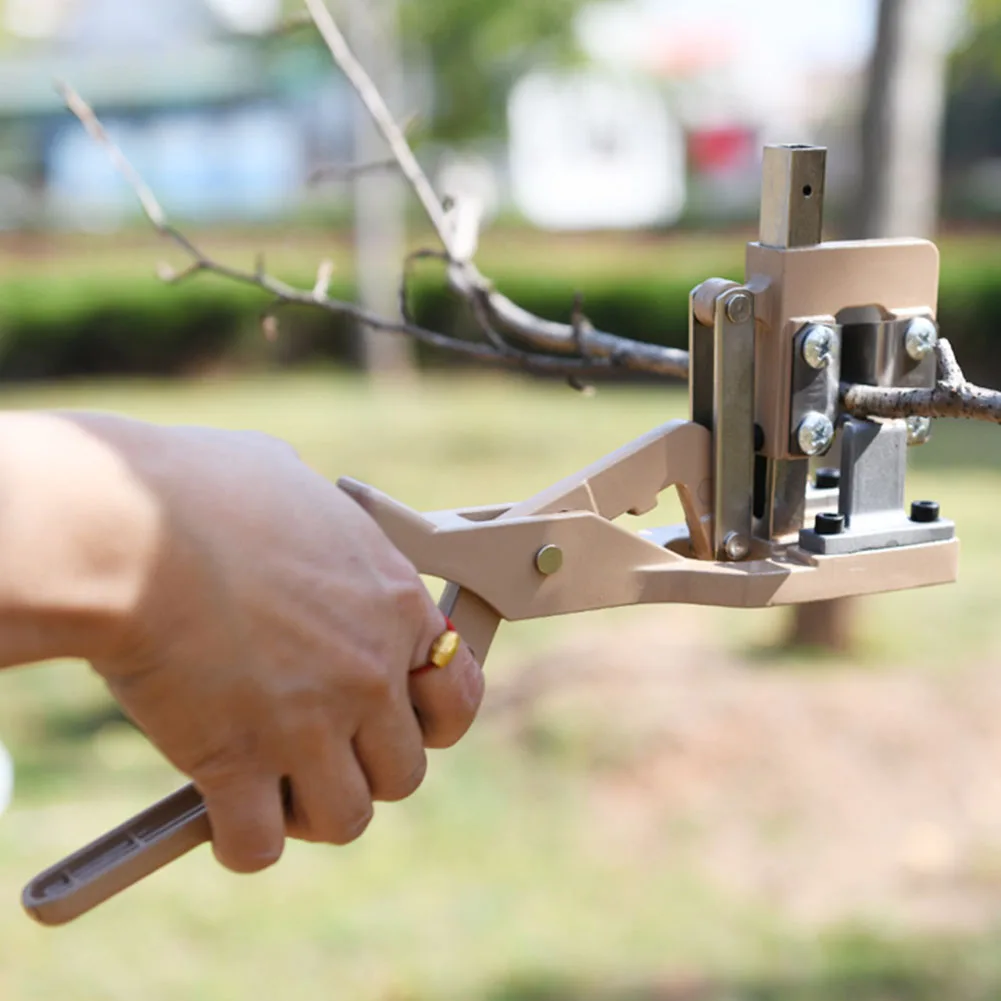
{"x": 122, "y": 857}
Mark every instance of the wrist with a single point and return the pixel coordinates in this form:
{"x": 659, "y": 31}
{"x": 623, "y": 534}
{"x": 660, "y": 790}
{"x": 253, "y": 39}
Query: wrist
{"x": 78, "y": 537}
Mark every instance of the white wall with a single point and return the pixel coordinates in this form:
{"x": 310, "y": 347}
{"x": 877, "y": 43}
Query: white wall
{"x": 594, "y": 151}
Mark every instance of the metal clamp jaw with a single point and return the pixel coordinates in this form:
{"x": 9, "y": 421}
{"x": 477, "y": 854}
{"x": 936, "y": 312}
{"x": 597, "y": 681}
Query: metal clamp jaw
{"x": 767, "y": 360}
{"x": 822, "y": 314}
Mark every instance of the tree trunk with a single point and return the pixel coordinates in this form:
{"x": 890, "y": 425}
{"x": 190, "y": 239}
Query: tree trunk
{"x": 898, "y": 192}
{"x": 877, "y": 133}
{"x": 903, "y": 119}
{"x": 379, "y": 197}
{"x": 830, "y": 626}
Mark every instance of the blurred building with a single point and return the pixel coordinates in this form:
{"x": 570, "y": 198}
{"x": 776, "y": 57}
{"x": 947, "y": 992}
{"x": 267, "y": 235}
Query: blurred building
{"x": 681, "y": 97}
{"x": 667, "y": 119}
{"x": 590, "y": 150}
{"x": 222, "y": 126}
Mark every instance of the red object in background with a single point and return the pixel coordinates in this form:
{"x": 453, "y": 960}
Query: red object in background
{"x": 722, "y": 150}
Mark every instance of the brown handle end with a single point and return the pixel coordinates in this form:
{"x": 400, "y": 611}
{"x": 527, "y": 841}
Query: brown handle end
{"x": 119, "y": 859}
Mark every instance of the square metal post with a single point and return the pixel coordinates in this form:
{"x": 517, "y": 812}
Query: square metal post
{"x": 792, "y": 215}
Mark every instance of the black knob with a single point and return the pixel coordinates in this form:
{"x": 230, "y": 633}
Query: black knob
{"x": 828, "y": 479}
{"x": 829, "y": 523}
{"x": 925, "y": 512}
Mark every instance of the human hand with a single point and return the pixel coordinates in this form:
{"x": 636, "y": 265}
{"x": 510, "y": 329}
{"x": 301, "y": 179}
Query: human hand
{"x": 274, "y": 641}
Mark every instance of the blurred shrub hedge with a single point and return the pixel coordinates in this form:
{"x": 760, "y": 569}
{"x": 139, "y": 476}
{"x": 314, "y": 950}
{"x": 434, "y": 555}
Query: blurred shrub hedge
{"x": 103, "y": 325}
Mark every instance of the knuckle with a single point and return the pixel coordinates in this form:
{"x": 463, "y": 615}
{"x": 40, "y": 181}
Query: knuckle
{"x": 351, "y": 827}
{"x": 227, "y": 763}
{"x": 376, "y": 681}
{"x": 397, "y": 789}
{"x": 445, "y": 734}
{"x": 410, "y": 600}
{"x": 249, "y": 859}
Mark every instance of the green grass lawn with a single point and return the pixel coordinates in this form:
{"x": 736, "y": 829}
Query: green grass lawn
{"x": 487, "y": 884}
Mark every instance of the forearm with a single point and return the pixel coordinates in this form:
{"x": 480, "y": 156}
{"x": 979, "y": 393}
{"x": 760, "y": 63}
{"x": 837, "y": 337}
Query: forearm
{"x": 78, "y": 537}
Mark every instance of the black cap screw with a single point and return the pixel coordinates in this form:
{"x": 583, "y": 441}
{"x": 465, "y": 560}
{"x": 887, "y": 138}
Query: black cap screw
{"x": 925, "y": 512}
{"x": 829, "y": 523}
{"x": 828, "y": 479}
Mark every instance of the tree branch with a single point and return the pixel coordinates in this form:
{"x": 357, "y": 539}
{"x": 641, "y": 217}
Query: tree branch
{"x": 514, "y": 337}
{"x": 953, "y": 396}
{"x": 466, "y": 280}
{"x": 949, "y": 372}
{"x": 284, "y": 294}
{"x": 494, "y": 312}
{"x": 82, "y": 110}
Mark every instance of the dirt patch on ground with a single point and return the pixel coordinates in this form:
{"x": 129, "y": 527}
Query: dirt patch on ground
{"x": 830, "y": 794}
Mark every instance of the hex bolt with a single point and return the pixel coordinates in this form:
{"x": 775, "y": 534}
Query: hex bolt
{"x": 925, "y": 512}
{"x": 549, "y": 560}
{"x": 736, "y": 547}
{"x": 920, "y": 338}
{"x": 740, "y": 308}
{"x": 918, "y": 430}
{"x": 829, "y": 523}
{"x": 828, "y": 479}
{"x": 818, "y": 346}
{"x": 815, "y": 434}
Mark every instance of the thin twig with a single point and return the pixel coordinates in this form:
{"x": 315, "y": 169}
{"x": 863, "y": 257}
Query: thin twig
{"x": 82, "y": 110}
{"x": 349, "y": 171}
{"x": 409, "y": 263}
{"x": 382, "y": 117}
{"x": 284, "y": 294}
{"x": 324, "y": 276}
{"x": 479, "y": 302}
{"x": 493, "y": 311}
{"x": 949, "y": 372}
{"x": 465, "y": 218}
{"x": 580, "y": 324}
